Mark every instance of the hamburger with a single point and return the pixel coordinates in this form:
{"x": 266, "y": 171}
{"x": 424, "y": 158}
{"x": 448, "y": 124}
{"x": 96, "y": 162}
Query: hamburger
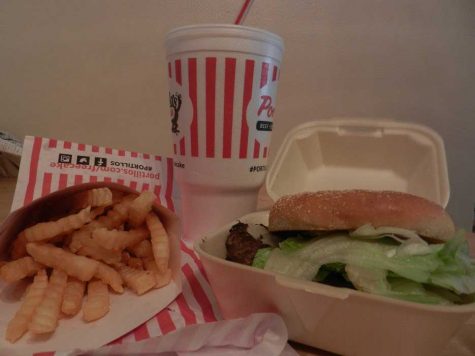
{"x": 387, "y": 243}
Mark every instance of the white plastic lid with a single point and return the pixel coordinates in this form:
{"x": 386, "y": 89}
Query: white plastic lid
{"x": 224, "y": 37}
{"x": 361, "y": 154}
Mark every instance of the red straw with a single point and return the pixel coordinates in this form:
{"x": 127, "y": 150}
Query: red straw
{"x": 244, "y": 10}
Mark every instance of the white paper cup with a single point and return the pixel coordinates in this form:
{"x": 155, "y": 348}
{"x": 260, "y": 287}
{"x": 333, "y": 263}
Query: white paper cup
{"x": 223, "y": 82}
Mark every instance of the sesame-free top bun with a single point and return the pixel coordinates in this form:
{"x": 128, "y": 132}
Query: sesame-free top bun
{"x": 350, "y": 209}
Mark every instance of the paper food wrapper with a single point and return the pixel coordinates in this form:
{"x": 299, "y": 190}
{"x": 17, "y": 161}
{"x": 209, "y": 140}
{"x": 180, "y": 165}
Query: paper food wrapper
{"x": 48, "y": 165}
{"x": 40, "y": 175}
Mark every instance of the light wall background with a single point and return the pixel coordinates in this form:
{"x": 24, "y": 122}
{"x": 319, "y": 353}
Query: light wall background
{"x": 93, "y": 71}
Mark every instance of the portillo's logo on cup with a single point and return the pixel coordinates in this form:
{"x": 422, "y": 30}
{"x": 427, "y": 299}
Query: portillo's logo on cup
{"x": 266, "y": 105}
{"x": 222, "y": 107}
{"x": 175, "y": 105}
{"x": 261, "y": 108}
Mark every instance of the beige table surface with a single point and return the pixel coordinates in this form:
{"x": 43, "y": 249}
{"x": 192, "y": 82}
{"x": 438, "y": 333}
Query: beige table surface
{"x": 462, "y": 345}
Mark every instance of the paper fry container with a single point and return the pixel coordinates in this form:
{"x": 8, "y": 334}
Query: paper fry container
{"x": 127, "y": 310}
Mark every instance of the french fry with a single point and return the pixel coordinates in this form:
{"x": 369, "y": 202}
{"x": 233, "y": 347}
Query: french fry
{"x": 135, "y": 262}
{"x": 18, "y": 326}
{"x": 76, "y": 239}
{"x": 128, "y": 199}
{"x": 140, "y": 207}
{"x": 80, "y": 267}
{"x": 115, "y": 216}
{"x": 160, "y": 244}
{"x": 46, "y": 316}
{"x": 58, "y": 238}
{"x": 161, "y": 279}
{"x": 73, "y": 295}
{"x": 143, "y": 249}
{"x": 93, "y": 197}
{"x": 18, "y": 269}
{"x": 82, "y": 244}
{"x": 97, "y": 212}
{"x": 150, "y": 265}
{"x": 47, "y": 230}
{"x": 100, "y": 197}
{"x": 18, "y": 247}
{"x": 139, "y": 281}
{"x": 97, "y": 302}
{"x": 125, "y": 257}
{"x": 118, "y": 240}
{"x": 97, "y": 252}
{"x": 110, "y": 276}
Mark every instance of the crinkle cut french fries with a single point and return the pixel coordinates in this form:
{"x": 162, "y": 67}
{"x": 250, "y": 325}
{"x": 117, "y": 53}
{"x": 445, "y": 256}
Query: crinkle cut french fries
{"x": 107, "y": 242}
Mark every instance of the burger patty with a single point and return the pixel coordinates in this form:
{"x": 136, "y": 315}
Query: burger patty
{"x": 241, "y": 246}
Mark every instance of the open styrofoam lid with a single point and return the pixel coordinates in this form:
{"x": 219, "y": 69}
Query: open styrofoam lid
{"x": 361, "y": 154}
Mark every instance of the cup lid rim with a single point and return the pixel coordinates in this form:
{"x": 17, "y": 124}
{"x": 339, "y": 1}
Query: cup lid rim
{"x": 225, "y": 30}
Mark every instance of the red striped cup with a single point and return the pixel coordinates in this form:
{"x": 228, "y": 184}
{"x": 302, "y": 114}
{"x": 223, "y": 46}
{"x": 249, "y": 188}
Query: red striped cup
{"x": 223, "y": 82}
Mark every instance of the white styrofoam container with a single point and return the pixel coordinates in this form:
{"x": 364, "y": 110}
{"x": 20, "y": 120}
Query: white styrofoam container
{"x": 361, "y": 154}
{"x": 342, "y": 154}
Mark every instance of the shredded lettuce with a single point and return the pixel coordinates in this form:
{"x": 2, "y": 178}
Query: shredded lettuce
{"x": 305, "y": 261}
{"x": 261, "y": 257}
{"x": 292, "y": 244}
{"x": 369, "y": 263}
{"x": 457, "y": 272}
{"x": 375, "y": 281}
{"x": 402, "y": 236}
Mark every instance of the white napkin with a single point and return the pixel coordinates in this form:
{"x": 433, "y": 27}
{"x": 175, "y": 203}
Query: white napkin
{"x": 257, "y": 335}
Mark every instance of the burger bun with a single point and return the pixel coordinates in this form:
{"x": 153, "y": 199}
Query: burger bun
{"x": 350, "y": 209}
